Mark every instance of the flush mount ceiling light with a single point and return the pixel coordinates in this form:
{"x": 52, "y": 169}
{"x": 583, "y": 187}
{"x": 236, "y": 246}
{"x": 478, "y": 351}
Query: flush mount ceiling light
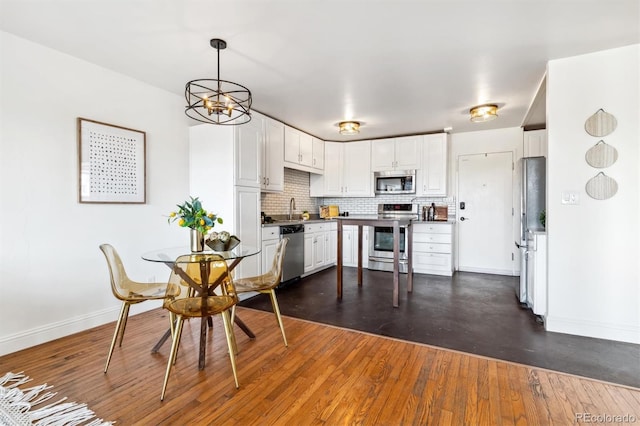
{"x": 349, "y": 127}
{"x": 216, "y": 101}
{"x": 485, "y": 112}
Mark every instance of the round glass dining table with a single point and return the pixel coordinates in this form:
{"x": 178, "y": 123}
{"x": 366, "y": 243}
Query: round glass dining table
{"x": 169, "y": 255}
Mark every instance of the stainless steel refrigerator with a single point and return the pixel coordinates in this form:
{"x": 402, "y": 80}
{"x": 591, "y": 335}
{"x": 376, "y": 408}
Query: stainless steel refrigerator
{"x": 532, "y": 171}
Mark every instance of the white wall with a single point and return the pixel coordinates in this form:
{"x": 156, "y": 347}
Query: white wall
{"x": 593, "y": 247}
{"x": 53, "y": 278}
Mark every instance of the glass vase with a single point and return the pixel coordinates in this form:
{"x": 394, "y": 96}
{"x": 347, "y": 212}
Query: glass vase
{"x": 197, "y": 241}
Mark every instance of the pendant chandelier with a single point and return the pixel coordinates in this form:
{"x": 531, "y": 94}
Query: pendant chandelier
{"x": 217, "y": 101}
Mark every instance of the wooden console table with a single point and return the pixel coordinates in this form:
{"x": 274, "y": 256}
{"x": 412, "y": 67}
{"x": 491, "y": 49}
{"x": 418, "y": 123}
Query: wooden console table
{"x": 396, "y": 223}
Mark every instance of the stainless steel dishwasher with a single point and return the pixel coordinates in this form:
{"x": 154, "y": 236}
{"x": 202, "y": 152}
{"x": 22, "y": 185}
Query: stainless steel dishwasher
{"x": 293, "y": 265}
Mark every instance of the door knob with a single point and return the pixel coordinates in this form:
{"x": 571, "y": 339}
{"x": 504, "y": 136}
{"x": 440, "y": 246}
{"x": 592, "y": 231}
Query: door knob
{"x": 462, "y": 218}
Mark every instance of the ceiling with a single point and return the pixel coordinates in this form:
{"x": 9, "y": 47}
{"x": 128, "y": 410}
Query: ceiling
{"x": 400, "y": 67}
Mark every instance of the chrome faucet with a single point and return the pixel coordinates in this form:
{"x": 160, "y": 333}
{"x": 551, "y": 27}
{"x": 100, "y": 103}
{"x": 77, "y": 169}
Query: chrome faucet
{"x": 292, "y": 206}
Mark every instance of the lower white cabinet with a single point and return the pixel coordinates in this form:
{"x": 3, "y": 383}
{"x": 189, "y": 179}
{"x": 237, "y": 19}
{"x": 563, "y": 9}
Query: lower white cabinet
{"x": 433, "y": 248}
{"x": 319, "y": 246}
{"x": 270, "y": 239}
{"x": 350, "y": 246}
{"x": 537, "y": 273}
{"x": 247, "y": 228}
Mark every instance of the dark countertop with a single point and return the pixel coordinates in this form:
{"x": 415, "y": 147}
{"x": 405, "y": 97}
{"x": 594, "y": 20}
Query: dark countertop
{"x": 279, "y": 222}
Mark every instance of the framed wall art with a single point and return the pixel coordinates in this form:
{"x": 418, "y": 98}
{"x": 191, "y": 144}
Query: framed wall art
{"x": 111, "y": 163}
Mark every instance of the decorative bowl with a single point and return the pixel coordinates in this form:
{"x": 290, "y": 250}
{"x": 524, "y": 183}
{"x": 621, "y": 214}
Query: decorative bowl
{"x": 217, "y": 244}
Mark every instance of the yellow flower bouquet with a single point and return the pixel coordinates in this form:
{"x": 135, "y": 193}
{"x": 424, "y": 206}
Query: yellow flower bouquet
{"x": 190, "y": 214}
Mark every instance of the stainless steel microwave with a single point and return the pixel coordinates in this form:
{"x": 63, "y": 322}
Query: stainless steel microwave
{"x": 395, "y": 182}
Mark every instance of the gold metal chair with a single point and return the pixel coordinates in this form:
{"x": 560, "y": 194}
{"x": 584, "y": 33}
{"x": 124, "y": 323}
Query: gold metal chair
{"x": 266, "y": 283}
{"x": 211, "y": 292}
{"x": 130, "y": 292}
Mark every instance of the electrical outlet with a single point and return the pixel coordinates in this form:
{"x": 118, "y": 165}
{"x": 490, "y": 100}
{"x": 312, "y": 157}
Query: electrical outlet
{"x": 570, "y": 197}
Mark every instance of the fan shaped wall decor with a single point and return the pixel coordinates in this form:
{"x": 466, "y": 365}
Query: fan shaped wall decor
{"x": 601, "y": 187}
{"x": 601, "y": 155}
{"x": 600, "y": 124}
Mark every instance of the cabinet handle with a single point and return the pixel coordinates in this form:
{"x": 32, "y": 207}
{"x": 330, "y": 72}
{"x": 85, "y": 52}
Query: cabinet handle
{"x": 268, "y": 182}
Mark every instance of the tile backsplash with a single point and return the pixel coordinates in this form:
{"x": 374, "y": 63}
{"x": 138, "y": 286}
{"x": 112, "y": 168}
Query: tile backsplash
{"x": 370, "y": 205}
{"x": 296, "y": 185}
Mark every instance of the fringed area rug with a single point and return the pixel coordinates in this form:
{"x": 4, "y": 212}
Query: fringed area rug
{"x": 25, "y": 406}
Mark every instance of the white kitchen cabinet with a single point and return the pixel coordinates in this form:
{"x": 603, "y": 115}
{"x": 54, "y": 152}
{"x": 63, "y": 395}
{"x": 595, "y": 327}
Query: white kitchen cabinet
{"x": 350, "y": 246}
{"x": 534, "y": 143}
{"x": 357, "y": 177}
{"x": 219, "y": 158}
{"x": 299, "y": 151}
{"x": 318, "y": 155}
{"x": 331, "y": 244}
{"x": 248, "y": 153}
{"x": 330, "y": 183}
{"x": 537, "y": 273}
{"x": 309, "y": 255}
{"x": 272, "y": 179}
{"x": 347, "y": 173}
{"x": 396, "y": 153}
{"x": 319, "y": 245}
{"x": 270, "y": 239}
{"x": 433, "y": 176}
{"x": 433, "y": 248}
{"x": 248, "y": 229}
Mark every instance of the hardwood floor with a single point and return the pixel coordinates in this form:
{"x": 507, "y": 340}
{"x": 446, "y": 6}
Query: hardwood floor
{"x": 469, "y": 312}
{"x": 327, "y": 375}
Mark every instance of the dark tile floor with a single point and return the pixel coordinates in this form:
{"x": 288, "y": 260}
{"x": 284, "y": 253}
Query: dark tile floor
{"x": 473, "y": 313}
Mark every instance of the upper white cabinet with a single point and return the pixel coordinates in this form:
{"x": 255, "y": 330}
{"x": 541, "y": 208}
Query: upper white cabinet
{"x": 299, "y": 151}
{"x": 535, "y": 143}
{"x": 347, "y": 173}
{"x": 248, "y": 153}
{"x": 318, "y": 154}
{"x": 396, "y": 153}
{"x": 356, "y": 176}
{"x": 329, "y": 184}
{"x": 432, "y": 177}
{"x": 273, "y": 156}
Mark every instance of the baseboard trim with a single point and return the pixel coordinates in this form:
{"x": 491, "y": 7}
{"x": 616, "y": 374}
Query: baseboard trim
{"x": 55, "y": 330}
{"x": 598, "y": 330}
{"x": 508, "y": 272}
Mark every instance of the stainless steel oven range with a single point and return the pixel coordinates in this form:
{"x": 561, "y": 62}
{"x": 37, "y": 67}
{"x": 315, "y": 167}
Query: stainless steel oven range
{"x": 381, "y": 237}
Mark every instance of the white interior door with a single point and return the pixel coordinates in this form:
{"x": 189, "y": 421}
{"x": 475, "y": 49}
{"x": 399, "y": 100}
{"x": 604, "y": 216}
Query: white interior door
{"x": 485, "y": 224}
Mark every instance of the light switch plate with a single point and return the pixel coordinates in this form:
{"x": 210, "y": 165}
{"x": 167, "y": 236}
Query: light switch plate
{"x": 570, "y": 197}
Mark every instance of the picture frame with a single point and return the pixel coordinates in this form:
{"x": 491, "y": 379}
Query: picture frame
{"x": 111, "y": 163}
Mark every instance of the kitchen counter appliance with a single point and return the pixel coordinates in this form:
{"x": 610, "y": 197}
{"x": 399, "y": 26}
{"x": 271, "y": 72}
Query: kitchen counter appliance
{"x": 381, "y": 237}
{"x": 395, "y": 182}
{"x": 293, "y": 264}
